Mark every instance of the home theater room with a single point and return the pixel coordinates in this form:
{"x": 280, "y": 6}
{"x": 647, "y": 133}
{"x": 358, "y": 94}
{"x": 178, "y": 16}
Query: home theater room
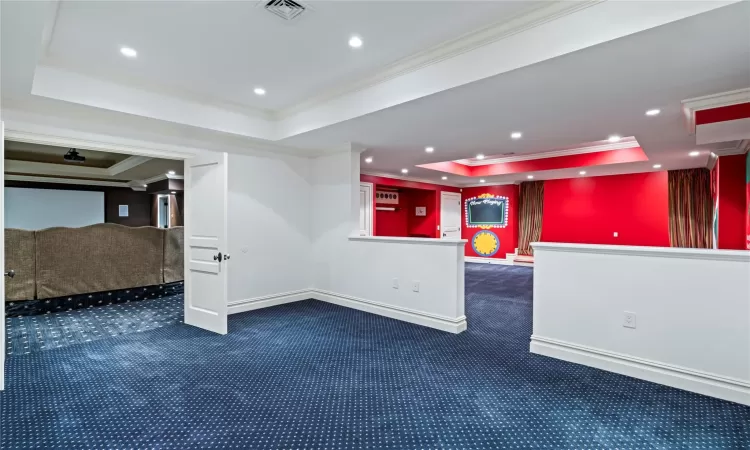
{"x": 433, "y": 224}
{"x": 86, "y": 229}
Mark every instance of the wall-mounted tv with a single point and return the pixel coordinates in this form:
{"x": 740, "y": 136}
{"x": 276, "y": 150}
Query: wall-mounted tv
{"x": 486, "y": 211}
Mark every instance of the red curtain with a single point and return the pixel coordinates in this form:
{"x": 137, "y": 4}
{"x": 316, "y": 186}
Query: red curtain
{"x": 531, "y": 203}
{"x": 690, "y": 208}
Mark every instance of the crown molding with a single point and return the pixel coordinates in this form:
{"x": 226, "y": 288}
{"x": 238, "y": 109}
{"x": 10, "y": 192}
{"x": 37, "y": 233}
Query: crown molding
{"x": 691, "y": 105}
{"x": 126, "y": 164}
{"x": 156, "y": 178}
{"x": 741, "y": 148}
{"x": 40, "y": 168}
{"x": 403, "y": 178}
{"x": 36, "y": 179}
{"x": 500, "y": 30}
{"x": 628, "y": 142}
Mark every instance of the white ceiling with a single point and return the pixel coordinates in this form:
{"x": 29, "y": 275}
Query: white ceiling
{"x": 223, "y": 49}
{"x": 581, "y": 97}
{"x": 565, "y": 74}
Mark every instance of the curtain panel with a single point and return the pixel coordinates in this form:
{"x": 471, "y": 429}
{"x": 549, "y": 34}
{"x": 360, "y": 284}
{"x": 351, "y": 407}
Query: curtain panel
{"x": 690, "y": 208}
{"x": 531, "y": 205}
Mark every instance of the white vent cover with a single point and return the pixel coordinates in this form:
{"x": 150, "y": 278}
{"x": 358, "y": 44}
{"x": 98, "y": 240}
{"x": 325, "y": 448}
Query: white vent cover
{"x": 286, "y": 9}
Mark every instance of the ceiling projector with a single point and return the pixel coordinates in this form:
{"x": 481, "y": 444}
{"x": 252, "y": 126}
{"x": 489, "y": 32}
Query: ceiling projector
{"x": 74, "y": 157}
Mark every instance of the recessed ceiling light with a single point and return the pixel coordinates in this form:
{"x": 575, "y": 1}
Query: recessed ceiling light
{"x": 480, "y": 156}
{"x": 129, "y": 52}
{"x": 429, "y": 149}
{"x": 614, "y": 138}
{"x": 171, "y": 172}
{"x": 482, "y": 180}
{"x": 694, "y": 153}
{"x": 516, "y": 135}
{"x": 657, "y": 166}
{"x": 653, "y": 112}
{"x": 355, "y": 42}
{"x": 259, "y": 91}
{"x": 404, "y": 170}
{"x": 368, "y": 160}
{"x": 529, "y": 176}
{"x": 583, "y": 172}
{"x": 145, "y": 185}
{"x": 445, "y": 178}
{"x": 174, "y": 192}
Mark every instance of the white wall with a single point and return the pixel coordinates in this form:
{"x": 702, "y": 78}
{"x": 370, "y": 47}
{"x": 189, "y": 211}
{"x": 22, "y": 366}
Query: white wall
{"x": 269, "y": 227}
{"x": 36, "y": 209}
{"x": 692, "y": 312}
{"x": 358, "y": 272}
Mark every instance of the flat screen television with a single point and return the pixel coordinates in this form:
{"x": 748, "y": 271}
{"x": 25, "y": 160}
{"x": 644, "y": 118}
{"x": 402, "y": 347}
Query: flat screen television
{"x": 489, "y": 211}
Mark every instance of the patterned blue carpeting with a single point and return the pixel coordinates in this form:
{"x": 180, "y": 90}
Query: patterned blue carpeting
{"x": 311, "y": 375}
{"x": 27, "y": 334}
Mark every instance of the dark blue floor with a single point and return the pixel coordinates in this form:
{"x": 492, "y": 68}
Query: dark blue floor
{"x": 312, "y": 375}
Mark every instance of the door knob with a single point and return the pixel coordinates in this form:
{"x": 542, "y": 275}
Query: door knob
{"x": 10, "y": 274}
{"x": 217, "y": 257}
{"x": 226, "y": 257}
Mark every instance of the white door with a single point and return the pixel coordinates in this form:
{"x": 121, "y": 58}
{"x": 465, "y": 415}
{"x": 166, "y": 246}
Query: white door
{"x": 2, "y": 259}
{"x": 450, "y": 215}
{"x": 365, "y": 209}
{"x": 206, "y": 237}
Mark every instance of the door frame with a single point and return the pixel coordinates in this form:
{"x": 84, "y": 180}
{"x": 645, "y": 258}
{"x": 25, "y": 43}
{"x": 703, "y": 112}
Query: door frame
{"x": 443, "y": 194}
{"x": 34, "y": 134}
{"x": 370, "y": 223}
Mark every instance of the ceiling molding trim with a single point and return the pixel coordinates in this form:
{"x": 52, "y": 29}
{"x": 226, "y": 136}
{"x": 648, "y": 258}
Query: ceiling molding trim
{"x": 161, "y": 177}
{"x": 40, "y": 168}
{"x": 629, "y": 142}
{"x": 500, "y": 30}
{"x": 507, "y": 183}
{"x": 126, "y": 164}
{"x": 403, "y": 178}
{"x": 67, "y": 138}
{"x": 36, "y": 179}
{"x": 741, "y": 148}
{"x": 691, "y": 105}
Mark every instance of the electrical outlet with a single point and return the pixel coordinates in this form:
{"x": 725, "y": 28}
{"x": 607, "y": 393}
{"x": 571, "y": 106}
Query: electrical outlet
{"x": 616, "y": 233}
{"x": 628, "y": 320}
{"x": 395, "y": 283}
{"x": 415, "y": 286}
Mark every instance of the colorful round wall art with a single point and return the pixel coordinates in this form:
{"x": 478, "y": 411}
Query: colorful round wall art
{"x": 485, "y": 243}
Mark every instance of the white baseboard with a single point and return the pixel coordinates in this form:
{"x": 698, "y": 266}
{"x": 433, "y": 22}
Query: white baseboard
{"x": 268, "y": 301}
{"x": 501, "y": 261}
{"x": 407, "y": 315}
{"x": 725, "y": 388}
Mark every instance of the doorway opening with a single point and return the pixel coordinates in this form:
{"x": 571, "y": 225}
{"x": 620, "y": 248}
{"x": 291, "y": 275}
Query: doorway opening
{"x": 89, "y": 258}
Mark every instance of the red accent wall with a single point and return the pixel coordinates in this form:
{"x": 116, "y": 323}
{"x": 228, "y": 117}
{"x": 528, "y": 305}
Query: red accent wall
{"x": 747, "y": 198}
{"x": 509, "y": 235}
{"x": 732, "y": 203}
{"x": 590, "y": 209}
{"x": 405, "y": 222}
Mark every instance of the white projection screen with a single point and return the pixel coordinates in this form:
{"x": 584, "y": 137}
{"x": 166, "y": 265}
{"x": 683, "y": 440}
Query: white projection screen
{"x": 36, "y": 209}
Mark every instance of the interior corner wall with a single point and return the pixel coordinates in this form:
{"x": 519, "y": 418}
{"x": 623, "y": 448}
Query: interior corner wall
{"x": 359, "y": 272}
{"x": 508, "y": 236}
{"x": 268, "y": 226}
{"x": 589, "y": 210}
{"x": 732, "y": 193}
{"x": 747, "y": 200}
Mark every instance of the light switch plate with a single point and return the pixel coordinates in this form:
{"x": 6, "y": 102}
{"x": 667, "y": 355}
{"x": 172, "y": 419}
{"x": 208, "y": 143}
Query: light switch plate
{"x": 395, "y": 283}
{"x": 616, "y": 233}
{"x": 628, "y": 319}
{"x": 415, "y": 286}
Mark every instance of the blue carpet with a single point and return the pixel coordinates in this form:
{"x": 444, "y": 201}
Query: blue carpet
{"x": 311, "y": 375}
{"x": 27, "y": 334}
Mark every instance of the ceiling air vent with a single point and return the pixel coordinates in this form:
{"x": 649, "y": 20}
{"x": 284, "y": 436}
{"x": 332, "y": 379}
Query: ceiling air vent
{"x": 286, "y": 9}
